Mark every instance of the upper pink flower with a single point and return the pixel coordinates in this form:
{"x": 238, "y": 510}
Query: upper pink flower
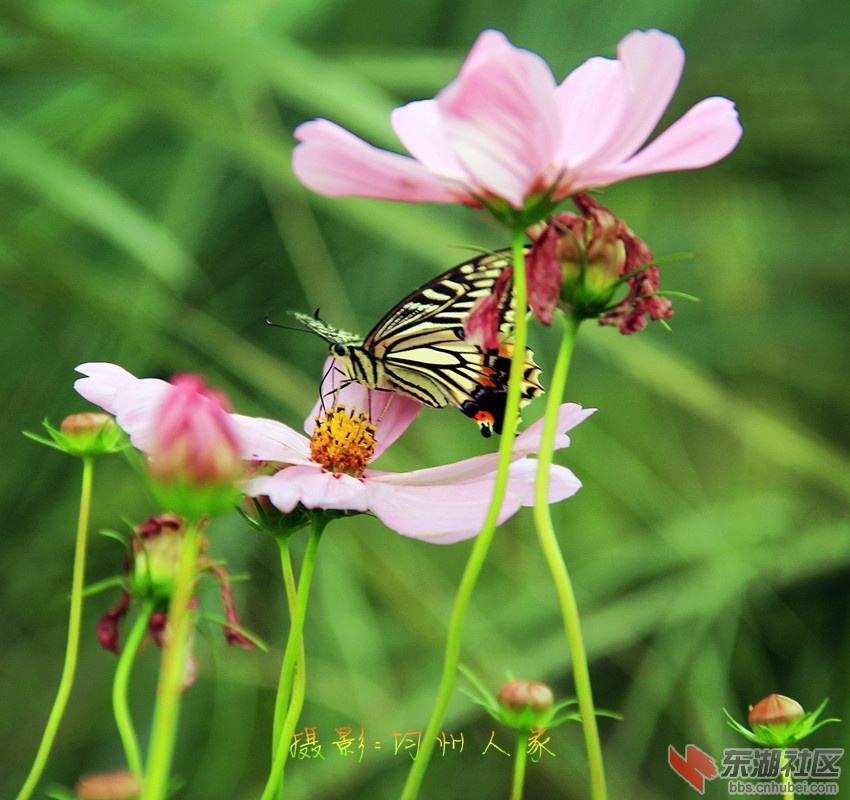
{"x": 503, "y": 129}
{"x": 440, "y": 504}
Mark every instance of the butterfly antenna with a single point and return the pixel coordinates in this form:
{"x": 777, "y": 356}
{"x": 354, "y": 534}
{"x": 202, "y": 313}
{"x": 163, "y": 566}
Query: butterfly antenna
{"x": 271, "y": 324}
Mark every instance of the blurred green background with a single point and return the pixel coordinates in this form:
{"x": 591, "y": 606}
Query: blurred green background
{"x": 148, "y": 216}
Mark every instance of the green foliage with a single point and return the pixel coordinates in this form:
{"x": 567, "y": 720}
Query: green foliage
{"x": 149, "y": 216}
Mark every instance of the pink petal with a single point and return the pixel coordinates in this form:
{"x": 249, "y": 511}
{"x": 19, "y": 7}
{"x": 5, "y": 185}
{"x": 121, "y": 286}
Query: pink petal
{"x": 652, "y": 64}
{"x": 269, "y": 440}
{"x": 314, "y": 488}
{"x": 501, "y": 119}
{"x": 466, "y": 471}
{"x": 419, "y": 128}
{"x": 284, "y": 495}
{"x": 590, "y": 102}
{"x": 103, "y": 381}
{"x": 135, "y": 410}
{"x": 335, "y": 162}
{"x": 569, "y": 415}
{"x": 395, "y": 418}
{"x": 475, "y": 468}
{"x": 562, "y": 484}
{"x": 706, "y": 133}
{"x": 450, "y": 513}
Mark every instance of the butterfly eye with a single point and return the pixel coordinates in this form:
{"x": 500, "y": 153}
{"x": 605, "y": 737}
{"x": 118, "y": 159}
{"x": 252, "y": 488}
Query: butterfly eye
{"x": 339, "y": 349}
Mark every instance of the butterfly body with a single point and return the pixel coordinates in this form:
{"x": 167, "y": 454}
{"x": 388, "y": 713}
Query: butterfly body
{"x": 419, "y": 349}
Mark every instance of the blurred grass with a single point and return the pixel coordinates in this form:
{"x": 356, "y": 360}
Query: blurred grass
{"x": 148, "y": 216}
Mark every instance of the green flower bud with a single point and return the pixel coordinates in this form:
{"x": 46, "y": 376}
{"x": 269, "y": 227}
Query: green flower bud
{"x": 525, "y": 704}
{"x": 157, "y": 544}
{"x": 778, "y": 721}
{"x": 117, "y": 785}
{"x": 87, "y": 434}
{"x": 777, "y": 714}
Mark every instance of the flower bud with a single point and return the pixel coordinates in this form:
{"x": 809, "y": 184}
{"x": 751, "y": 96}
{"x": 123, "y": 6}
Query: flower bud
{"x": 778, "y": 721}
{"x": 591, "y": 251}
{"x": 157, "y": 544}
{"x": 195, "y": 441}
{"x": 195, "y": 452}
{"x": 778, "y": 714}
{"x": 525, "y": 704}
{"x": 85, "y": 435}
{"x": 87, "y": 424}
{"x": 117, "y": 785}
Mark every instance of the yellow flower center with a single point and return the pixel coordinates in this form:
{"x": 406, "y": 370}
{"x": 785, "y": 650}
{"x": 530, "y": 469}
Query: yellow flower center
{"x": 343, "y": 442}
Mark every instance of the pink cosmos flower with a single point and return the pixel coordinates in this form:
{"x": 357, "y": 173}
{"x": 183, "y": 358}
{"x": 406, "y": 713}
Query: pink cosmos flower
{"x": 503, "y": 129}
{"x": 331, "y": 469}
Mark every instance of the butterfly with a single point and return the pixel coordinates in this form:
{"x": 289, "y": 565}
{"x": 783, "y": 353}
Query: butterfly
{"x": 418, "y": 348}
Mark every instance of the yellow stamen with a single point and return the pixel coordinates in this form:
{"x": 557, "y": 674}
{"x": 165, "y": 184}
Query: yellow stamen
{"x": 343, "y": 442}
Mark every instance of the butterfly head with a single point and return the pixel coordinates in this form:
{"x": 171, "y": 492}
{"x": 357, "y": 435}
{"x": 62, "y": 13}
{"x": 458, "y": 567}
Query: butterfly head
{"x": 339, "y": 341}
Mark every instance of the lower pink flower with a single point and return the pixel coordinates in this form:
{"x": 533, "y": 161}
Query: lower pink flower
{"x": 331, "y": 469}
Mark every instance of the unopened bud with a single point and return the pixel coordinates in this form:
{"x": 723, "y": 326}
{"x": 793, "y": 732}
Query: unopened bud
{"x": 85, "y": 435}
{"x": 117, "y": 785}
{"x": 86, "y": 424}
{"x": 157, "y": 545}
{"x": 195, "y": 455}
{"x": 525, "y": 704}
{"x": 776, "y": 712}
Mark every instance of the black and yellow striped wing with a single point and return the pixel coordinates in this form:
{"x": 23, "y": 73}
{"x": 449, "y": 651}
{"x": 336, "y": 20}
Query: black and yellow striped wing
{"x": 418, "y": 348}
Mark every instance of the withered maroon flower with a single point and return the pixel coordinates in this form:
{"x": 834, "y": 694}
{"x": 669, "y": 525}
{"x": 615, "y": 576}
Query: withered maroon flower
{"x": 149, "y": 571}
{"x": 578, "y": 263}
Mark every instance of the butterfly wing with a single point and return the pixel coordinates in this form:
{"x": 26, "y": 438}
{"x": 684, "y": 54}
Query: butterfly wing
{"x": 418, "y": 348}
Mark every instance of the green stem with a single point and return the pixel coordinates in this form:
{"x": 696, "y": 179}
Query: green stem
{"x": 172, "y": 670}
{"x": 291, "y": 690}
{"x": 519, "y": 765}
{"x": 300, "y": 678}
{"x": 291, "y": 598}
{"x": 73, "y": 643}
{"x": 785, "y": 776}
{"x": 484, "y": 539}
{"x": 120, "y": 703}
{"x": 557, "y": 566}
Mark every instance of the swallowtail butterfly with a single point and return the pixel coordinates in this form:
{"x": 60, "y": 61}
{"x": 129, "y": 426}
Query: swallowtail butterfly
{"x": 418, "y": 348}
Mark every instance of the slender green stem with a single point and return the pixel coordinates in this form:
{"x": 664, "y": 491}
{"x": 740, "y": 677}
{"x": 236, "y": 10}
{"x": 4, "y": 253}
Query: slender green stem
{"x": 290, "y": 723}
{"x": 557, "y": 566}
{"x": 482, "y": 543}
{"x": 291, "y": 598}
{"x": 290, "y": 690}
{"x": 120, "y": 703}
{"x": 300, "y": 678}
{"x": 73, "y": 643}
{"x": 519, "y": 765}
{"x": 172, "y": 670}
{"x": 785, "y": 776}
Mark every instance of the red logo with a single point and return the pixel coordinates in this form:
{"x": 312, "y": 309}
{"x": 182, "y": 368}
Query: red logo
{"x": 695, "y": 767}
